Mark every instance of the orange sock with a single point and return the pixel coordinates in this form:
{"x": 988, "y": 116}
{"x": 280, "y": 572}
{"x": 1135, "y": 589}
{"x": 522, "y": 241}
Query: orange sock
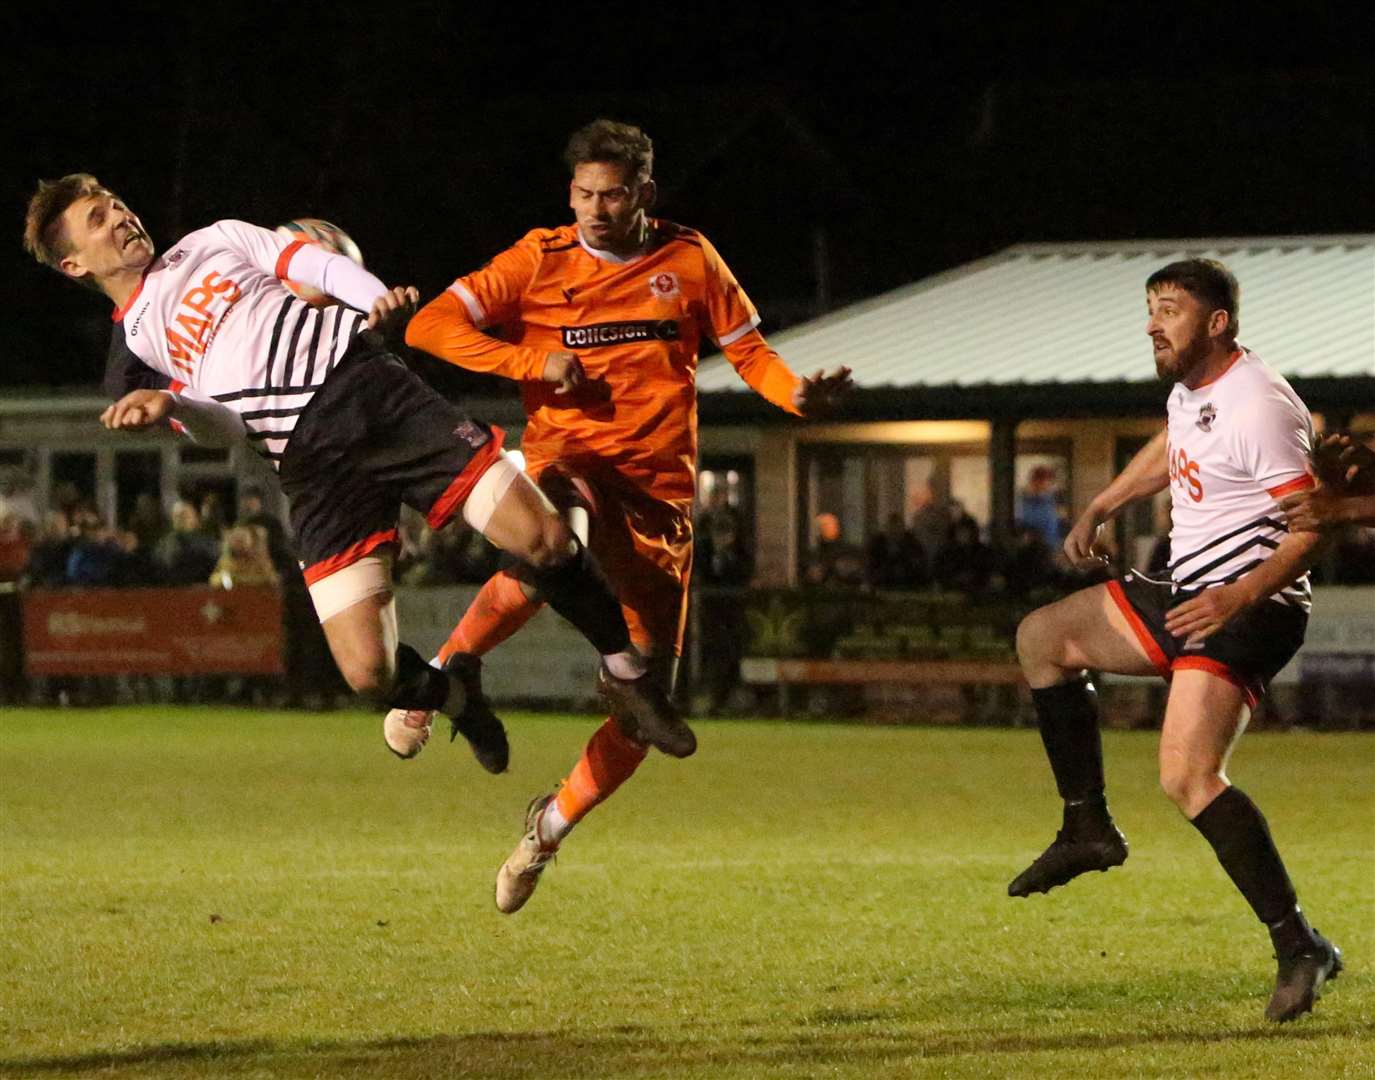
{"x": 498, "y": 611}
{"x": 605, "y": 765}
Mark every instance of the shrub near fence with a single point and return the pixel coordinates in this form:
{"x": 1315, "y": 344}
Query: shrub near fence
{"x": 888, "y": 650}
{"x": 944, "y": 656}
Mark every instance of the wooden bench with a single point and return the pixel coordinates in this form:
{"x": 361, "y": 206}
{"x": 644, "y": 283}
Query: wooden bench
{"x": 787, "y": 673}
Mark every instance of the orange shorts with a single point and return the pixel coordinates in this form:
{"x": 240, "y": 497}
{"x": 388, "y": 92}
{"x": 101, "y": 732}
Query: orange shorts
{"x": 643, "y": 544}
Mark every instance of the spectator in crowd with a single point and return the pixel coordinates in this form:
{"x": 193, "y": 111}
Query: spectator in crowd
{"x": 412, "y": 548}
{"x": 47, "y": 565}
{"x": 833, "y": 561}
{"x": 965, "y": 564}
{"x": 137, "y": 568}
{"x": 16, "y": 495}
{"x": 213, "y": 519}
{"x": 896, "y": 559}
{"x": 930, "y": 520}
{"x": 96, "y": 557}
{"x": 244, "y": 559}
{"x": 186, "y": 555}
{"x": 720, "y": 551}
{"x": 16, "y": 539}
{"x": 147, "y": 521}
{"x": 1030, "y": 563}
{"x": 253, "y": 511}
{"x": 1038, "y": 505}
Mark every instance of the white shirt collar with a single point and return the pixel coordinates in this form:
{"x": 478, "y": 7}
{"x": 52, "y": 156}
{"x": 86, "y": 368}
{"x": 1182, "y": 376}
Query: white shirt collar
{"x": 609, "y": 256}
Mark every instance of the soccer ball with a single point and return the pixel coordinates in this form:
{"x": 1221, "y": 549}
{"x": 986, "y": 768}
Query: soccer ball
{"x": 330, "y": 237}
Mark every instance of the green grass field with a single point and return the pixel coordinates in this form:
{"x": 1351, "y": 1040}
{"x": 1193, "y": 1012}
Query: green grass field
{"x": 202, "y": 893}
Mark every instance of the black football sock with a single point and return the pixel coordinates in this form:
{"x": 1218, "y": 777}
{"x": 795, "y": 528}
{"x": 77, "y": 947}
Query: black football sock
{"x": 578, "y": 590}
{"x": 1068, "y": 717}
{"x": 418, "y": 684}
{"x": 1241, "y": 839}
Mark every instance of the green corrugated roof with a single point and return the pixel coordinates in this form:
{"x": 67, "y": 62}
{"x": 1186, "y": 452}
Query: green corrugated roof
{"x": 1075, "y": 313}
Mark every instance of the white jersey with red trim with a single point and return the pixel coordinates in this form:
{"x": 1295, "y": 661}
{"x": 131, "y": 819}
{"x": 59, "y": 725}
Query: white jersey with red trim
{"x": 213, "y": 317}
{"x": 1236, "y": 446}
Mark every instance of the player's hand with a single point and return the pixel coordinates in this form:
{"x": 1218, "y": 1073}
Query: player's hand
{"x": 820, "y": 391}
{"x": 1342, "y": 462}
{"x": 1200, "y": 618}
{"x": 565, "y": 369}
{"x": 1313, "y": 510}
{"x": 1081, "y": 545}
{"x": 138, "y": 409}
{"x": 394, "y": 308}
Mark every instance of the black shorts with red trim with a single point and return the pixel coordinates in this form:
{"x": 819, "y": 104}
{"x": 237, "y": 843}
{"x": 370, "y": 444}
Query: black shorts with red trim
{"x": 1248, "y": 652}
{"x": 376, "y": 436}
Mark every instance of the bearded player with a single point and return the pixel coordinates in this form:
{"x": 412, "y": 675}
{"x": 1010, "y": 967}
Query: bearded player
{"x": 1231, "y": 615}
{"x": 601, "y": 322}
{"x": 207, "y": 336}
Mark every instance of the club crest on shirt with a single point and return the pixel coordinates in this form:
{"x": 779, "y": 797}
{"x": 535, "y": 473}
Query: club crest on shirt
{"x": 664, "y": 286}
{"x": 472, "y": 434}
{"x": 1206, "y": 416}
{"x": 175, "y": 257}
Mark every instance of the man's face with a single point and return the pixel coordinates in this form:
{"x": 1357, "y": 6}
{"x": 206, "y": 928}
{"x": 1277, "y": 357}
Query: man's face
{"x": 609, "y": 206}
{"x": 105, "y": 236}
{"x": 1178, "y": 329}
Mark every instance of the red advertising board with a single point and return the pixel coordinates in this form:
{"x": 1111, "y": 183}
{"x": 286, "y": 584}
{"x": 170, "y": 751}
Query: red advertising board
{"x": 189, "y": 631}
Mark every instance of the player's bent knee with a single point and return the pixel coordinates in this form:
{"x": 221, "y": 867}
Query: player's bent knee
{"x": 1189, "y": 788}
{"x": 1033, "y": 635}
{"x": 366, "y": 666}
{"x": 554, "y": 544}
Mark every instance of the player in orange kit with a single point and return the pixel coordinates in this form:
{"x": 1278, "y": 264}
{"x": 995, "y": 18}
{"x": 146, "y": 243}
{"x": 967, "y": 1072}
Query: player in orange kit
{"x": 601, "y": 322}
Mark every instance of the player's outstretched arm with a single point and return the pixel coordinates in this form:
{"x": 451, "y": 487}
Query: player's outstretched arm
{"x": 444, "y": 328}
{"x": 768, "y": 376}
{"x": 1146, "y": 473}
{"x": 206, "y": 422}
{"x": 137, "y": 410}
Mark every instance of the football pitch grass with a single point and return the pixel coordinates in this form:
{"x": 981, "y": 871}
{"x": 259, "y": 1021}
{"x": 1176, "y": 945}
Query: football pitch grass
{"x": 206, "y": 893}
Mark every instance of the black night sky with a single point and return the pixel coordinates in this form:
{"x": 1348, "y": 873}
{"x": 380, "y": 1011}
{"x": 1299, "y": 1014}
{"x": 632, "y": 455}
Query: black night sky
{"x": 879, "y": 143}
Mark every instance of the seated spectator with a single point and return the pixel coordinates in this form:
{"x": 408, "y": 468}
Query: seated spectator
{"x": 213, "y": 519}
{"x": 723, "y": 558}
{"x": 930, "y": 521}
{"x": 1030, "y": 562}
{"x": 415, "y": 541}
{"x": 186, "y": 555}
{"x": 244, "y": 559}
{"x": 896, "y": 559}
{"x": 965, "y": 563}
{"x": 832, "y": 561}
{"x": 95, "y": 559}
{"x": 137, "y": 568}
{"x": 253, "y": 511}
{"x": 47, "y": 564}
{"x": 16, "y": 496}
{"x": 147, "y": 521}
{"x": 16, "y": 538}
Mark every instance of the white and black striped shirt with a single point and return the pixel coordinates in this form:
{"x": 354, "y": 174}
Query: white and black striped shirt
{"x": 1236, "y": 446}
{"x": 213, "y": 319}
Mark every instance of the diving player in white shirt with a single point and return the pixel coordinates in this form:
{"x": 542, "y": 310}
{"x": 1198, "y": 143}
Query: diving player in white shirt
{"x": 1231, "y": 616}
{"x": 206, "y": 335}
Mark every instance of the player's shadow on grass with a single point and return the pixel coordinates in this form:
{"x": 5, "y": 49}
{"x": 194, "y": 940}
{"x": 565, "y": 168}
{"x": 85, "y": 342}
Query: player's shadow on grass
{"x": 844, "y": 1040}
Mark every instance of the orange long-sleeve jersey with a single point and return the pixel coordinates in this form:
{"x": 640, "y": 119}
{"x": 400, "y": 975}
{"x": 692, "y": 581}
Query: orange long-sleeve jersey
{"x": 636, "y": 325}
